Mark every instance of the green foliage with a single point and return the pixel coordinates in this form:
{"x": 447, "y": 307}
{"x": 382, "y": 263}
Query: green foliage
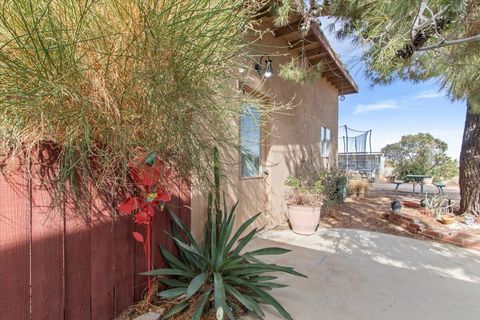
{"x": 100, "y": 78}
{"x": 313, "y": 187}
{"x": 298, "y": 71}
{"x": 218, "y": 269}
{"x": 421, "y": 154}
{"x": 384, "y": 27}
{"x": 432, "y": 30}
{"x": 334, "y": 181}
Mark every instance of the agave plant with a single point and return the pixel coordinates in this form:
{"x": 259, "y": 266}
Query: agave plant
{"x": 218, "y": 269}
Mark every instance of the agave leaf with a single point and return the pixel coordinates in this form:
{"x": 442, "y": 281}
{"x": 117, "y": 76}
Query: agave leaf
{"x": 168, "y": 272}
{"x": 172, "y": 293}
{"x": 253, "y": 268}
{"x": 213, "y": 238}
{"x": 225, "y": 209}
{"x": 208, "y": 228}
{"x": 244, "y": 241}
{"x": 262, "y": 278}
{"x": 185, "y": 255}
{"x": 219, "y": 291}
{"x": 226, "y": 231}
{"x": 173, "y": 282}
{"x": 196, "y": 284}
{"x": 187, "y": 247}
{"x": 182, "y": 226}
{"x": 240, "y": 231}
{"x": 231, "y": 261}
{"x": 240, "y": 297}
{"x": 253, "y": 303}
{"x": 178, "y": 308}
{"x": 201, "y": 305}
{"x": 173, "y": 261}
{"x": 271, "y": 285}
{"x": 266, "y": 298}
{"x": 232, "y": 211}
{"x": 267, "y": 251}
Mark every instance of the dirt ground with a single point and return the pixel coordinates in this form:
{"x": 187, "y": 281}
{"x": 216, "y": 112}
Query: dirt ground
{"x": 371, "y": 212}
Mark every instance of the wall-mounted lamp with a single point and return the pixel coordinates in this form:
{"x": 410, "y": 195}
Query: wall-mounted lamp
{"x": 268, "y": 72}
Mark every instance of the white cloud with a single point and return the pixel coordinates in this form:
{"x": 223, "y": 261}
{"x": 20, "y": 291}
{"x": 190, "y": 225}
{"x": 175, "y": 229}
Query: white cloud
{"x": 379, "y": 106}
{"x": 428, "y": 94}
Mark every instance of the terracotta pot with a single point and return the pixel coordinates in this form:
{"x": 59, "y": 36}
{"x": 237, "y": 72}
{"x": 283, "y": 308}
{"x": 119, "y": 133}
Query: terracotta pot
{"x": 303, "y": 219}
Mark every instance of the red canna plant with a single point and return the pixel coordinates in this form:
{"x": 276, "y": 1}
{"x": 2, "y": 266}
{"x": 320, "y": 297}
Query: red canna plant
{"x": 150, "y": 176}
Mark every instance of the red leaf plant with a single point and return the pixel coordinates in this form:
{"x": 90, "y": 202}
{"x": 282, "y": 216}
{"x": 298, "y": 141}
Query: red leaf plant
{"x": 150, "y": 176}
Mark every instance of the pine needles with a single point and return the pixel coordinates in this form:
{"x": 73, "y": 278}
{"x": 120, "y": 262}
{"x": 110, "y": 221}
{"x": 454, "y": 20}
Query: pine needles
{"x": 102, "y": 78}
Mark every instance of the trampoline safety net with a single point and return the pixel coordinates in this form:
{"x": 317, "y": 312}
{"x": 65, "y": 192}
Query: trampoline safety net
{"x": 357, "y": 146}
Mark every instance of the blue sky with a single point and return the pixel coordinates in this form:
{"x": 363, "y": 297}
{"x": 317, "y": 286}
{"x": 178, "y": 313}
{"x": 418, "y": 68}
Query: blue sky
{"x": 399, "y": 108}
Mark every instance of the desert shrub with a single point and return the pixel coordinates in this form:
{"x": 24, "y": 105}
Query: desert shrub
{"x": 312, "y": 186}
{"x": 304, "y": 193}
{"x": 358, "y": 188}
{"x": 98, "y": 79}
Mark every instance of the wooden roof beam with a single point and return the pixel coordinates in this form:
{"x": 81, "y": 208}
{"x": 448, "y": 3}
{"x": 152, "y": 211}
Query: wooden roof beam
{"x": 298, "y": 43}
{"x": 327, "y": 64}
{"x": 288, "y": 29}
{"x": 316, "y": 53}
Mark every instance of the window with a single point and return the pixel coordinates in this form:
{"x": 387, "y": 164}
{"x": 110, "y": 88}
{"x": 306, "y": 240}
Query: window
{"x": 325, "y": 142}
{"x": 250, "y": 142}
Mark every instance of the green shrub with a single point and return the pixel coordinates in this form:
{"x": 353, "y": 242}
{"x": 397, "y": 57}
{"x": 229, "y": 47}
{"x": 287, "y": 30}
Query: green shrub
{"x": 312, "y": 187}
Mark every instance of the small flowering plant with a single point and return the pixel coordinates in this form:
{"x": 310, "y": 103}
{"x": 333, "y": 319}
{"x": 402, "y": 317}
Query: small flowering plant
{"x": 150, "y": 176}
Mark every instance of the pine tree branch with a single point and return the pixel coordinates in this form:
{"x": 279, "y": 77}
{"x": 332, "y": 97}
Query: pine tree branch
{"x": 450, "y": 43}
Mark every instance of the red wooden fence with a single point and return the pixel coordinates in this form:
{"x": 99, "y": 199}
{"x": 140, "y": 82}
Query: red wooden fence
{"x": 55, "y": 266}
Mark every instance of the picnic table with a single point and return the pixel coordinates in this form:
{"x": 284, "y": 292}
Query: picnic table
{"x": 417, "y": 178}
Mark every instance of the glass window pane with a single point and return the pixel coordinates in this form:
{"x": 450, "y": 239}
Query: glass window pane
{"x": 325, "y": 142}
{"x": 250, "y": 142}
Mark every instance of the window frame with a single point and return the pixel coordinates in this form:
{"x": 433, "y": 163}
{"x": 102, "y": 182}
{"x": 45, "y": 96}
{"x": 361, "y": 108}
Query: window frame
{"x": 259, "y": 174}
{"x": 328, "y": 153}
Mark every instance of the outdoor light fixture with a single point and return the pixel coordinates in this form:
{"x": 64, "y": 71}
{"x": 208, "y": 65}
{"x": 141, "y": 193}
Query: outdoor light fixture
{"x": 268, "y": 67}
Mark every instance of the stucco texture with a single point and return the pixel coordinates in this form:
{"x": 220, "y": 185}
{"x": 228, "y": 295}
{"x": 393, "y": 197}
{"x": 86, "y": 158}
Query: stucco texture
{"x": 289, "y": 137}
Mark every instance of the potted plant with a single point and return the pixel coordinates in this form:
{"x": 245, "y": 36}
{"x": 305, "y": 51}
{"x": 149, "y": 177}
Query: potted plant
{"x": 304, "y": 200}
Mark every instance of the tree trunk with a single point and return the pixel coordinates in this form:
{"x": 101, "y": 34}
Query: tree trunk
{"x": 470, "y": 164}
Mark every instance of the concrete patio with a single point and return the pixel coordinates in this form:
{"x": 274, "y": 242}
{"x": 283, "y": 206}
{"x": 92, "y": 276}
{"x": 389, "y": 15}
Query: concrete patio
{"x": 360, "y": 275}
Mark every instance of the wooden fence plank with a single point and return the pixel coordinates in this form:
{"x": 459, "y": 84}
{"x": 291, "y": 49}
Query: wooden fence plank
{"x": 77, "y": 262}
{"x": 140, "y": 265}
{"x": 15, "y": 246}
{"x": 124, "y": 263}
{"x": 80, "y": 268}
{"x": 159, "y": 237}
{"x": 185, "y": 204}
{"x": 47, "y": 244}
{"x": 102, "y": 260}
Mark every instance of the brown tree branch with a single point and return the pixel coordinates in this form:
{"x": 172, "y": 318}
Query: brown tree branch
{"x": 450, "y": 43}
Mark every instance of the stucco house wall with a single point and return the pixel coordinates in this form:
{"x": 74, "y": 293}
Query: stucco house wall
{"x": 288, "y": 138}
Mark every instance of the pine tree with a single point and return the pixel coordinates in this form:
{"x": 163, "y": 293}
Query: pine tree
{"x": 418, "y": 40}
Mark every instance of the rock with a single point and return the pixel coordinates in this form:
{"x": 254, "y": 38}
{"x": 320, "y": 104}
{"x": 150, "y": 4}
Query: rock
{"x": 149, "y": 316}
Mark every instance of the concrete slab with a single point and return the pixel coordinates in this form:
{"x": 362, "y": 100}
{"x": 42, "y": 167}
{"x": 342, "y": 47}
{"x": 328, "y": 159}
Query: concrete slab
{"x": 360, "y": 275}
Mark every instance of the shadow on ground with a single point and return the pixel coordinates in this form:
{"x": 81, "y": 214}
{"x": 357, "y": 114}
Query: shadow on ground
{"x": 364, "y": 275}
